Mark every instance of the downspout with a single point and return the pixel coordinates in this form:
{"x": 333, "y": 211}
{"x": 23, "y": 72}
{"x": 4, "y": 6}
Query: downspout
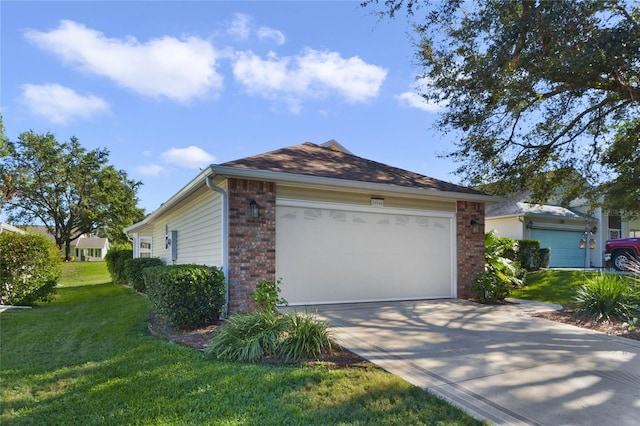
{"x": 225, "y": 240}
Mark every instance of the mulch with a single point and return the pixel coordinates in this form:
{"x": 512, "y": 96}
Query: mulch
{"x": 199, "y": 338}
{"x": 569, "y": 315}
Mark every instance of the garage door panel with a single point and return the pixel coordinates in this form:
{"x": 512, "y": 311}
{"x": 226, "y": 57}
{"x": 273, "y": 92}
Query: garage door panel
{"x": 565, "y": 251}
{"x": 326, "y": 255}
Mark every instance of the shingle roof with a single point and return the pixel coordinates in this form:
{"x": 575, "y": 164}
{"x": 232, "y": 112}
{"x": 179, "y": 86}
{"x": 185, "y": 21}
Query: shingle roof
{"x": 93, "y": 242}
{"x": 323, "y": 161}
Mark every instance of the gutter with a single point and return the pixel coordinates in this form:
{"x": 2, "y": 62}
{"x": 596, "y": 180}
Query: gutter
{"x": 225, "y": 239}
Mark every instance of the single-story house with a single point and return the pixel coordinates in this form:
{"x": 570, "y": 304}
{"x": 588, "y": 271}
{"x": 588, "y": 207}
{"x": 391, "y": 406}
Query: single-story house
{"x": 333, "y": 226}
{"x": 86, "y": 247}
{"x": 575, "y": 235}
{"x": 5, "y": 227}
{"x": 89, "y": 248}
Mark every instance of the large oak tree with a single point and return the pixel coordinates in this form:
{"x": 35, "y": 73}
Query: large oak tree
{"x": 70, "y": 190}
{"x": 545, "y": 94}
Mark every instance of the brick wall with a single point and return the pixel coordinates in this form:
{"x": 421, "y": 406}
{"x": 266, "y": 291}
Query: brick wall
{"x": 252, "y": 242}
{"x": 470, "y": 245}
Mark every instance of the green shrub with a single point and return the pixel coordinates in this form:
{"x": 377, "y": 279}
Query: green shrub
{"x": 248, "y": 337}
{"x": 489, "y": 288}
{"x": 307, "y": 338}
{"x": 265, "y": 334}
{"x": 529, "y": 254}
{"x": 267, "y": 295}
{"x": 133, "y": 271}
{"x": 608, "y": 296}
{"x": 30, "y": 268}
{"x": 115, "y": 264}
{"x": 501, "y": 274}
{"x": 545, "y": 255}
{"x": 186, "y": 296}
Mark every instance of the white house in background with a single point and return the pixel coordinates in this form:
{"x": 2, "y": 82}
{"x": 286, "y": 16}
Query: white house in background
{"x": 5, "y": 227}
{"x": 560, "y": 229}
{"x": 88, "y": 248}
{"x": 334, "y": 226}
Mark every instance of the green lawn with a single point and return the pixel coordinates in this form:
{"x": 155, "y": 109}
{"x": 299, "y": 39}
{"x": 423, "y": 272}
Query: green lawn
{"x": 87, "y": 358}
{"x": 552, "y": 286}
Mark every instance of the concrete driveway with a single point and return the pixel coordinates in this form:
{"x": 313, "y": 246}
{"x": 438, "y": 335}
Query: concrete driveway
{"x": 496, "y": 362}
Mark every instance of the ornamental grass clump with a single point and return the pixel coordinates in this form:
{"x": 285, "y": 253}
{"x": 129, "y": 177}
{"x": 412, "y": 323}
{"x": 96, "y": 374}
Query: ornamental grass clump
{"x": 608, "y": 297}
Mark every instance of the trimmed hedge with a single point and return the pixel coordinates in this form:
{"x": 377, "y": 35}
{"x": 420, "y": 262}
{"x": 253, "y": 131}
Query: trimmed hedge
{"x": 545, "y": 255}
{"x": 529, "y": 254}
{"x": 186, "y": 296}
{"x": 115, "y": 265}
{"x": 133, "y": 271}
{"x": 29, "y": 268}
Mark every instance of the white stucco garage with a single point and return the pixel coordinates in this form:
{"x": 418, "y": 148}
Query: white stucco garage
{"x": 342, "y": 253}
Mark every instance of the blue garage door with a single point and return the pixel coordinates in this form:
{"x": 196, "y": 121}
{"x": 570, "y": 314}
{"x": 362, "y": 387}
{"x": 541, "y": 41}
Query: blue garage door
{"x": 565, "y": 250}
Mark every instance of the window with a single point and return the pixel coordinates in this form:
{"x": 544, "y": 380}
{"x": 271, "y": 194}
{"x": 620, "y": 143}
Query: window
{"x": 144, "y": 249}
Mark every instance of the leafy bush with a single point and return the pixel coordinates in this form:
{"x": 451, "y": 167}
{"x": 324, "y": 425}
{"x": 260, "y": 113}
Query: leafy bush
{"x": 115, "y": 264}
{"x": 501, "y": 274}
{"x": 267, "y": 295}
{"x": 489, "y": 288}
{"x": 529, "y": 254}
{"x": 265, "y": 334}
{"x": 186, "y": 296}
{"x": 545, "y": 255}
{"x": 29, "y": 268}
{"x": 608, "y": 296}
{"x": 133, "y": 271}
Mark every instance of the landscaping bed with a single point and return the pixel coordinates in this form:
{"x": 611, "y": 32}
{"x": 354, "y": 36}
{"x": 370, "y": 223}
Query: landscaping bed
{"x": 199, "y": 338}
{"x": 568, "y": 315}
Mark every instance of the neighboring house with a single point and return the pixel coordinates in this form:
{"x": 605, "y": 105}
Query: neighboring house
{"x": 89, "y": 248}
{"x": 563, "y": 230}
{"x": 84, "y": 248}
{"x": 5, "y": 227}
{"x": 335, "y": 227}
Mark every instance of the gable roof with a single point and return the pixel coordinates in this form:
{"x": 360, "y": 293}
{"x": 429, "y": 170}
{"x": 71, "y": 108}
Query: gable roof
{"x": 309, "y": 159}
{"x": 91, "y": 242}
{"x": 327, "y": 165}
{"x": 519, "y": 206}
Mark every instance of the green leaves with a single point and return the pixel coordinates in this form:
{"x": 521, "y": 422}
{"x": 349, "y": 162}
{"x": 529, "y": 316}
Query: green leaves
{"x": 534, "y": 87}
{"x": 69, "y": 189}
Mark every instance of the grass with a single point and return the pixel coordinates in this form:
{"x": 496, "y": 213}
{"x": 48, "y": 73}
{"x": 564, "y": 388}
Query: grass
{"x": 83, "y": 273}
{"x": 552, "y": 286}
{"x": 87, "y": 358}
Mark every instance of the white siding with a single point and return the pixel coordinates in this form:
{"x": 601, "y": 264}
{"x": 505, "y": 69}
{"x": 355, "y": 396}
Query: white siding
{"x": 198, "y": 221}
{"x": 506, "y": 227}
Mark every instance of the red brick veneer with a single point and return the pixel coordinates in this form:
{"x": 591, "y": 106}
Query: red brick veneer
{"x": 470, "y": 245}
{"x": 252, "y": 242}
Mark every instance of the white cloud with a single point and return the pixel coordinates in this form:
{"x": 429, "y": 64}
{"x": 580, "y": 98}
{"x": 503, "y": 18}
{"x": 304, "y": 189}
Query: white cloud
{"x": 266, "y": 33}
{"x": 242, "y": 27}
{"x": 414, "y": 100}
{"x": 150, "y": 170}
{"x": 178, "y": 69}
{"x": 312, "y": 74}
{"x": 191, "y": 157}
{"x": 60, "y": 104}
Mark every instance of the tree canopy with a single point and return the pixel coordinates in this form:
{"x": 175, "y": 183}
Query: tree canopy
{"x": 70, "y": 190}
{"x": 545, "y": 94}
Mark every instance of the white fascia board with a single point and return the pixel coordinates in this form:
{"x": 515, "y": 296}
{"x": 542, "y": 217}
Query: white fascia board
{"x": 194, "y": 184}
{"x": 344, "y": 184}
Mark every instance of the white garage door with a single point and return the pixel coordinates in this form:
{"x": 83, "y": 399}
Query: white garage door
{"x": 343, "y": 254}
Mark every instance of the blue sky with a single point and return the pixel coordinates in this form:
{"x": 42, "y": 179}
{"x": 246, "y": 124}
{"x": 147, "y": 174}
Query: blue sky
{"x": 170, "y": 87}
